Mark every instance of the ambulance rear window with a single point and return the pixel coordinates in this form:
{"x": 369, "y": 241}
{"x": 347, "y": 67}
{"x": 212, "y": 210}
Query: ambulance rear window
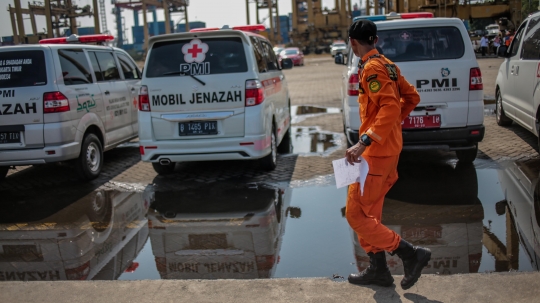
{"x": 22, "y": 68}
{"x": 197, "y": 57}
{"x": 420, "y": 44}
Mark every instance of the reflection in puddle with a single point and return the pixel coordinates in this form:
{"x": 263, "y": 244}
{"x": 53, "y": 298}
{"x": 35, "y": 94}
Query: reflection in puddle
{"x": 311, "y": 140}
{"x": 97, "y": 237}
{"x": 473, "y": 220}
{"x": 300, "y": 113}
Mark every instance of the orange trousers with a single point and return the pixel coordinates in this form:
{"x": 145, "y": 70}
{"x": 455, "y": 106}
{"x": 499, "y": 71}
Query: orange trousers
{"x": 364, "y": 212}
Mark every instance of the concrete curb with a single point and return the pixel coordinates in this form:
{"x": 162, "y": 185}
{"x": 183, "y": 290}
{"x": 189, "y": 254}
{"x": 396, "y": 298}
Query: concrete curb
{"x": 494, "y": 287}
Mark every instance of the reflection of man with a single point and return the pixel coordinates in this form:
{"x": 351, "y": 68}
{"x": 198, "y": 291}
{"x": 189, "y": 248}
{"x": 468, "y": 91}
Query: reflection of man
{"x": 385, "y": 98}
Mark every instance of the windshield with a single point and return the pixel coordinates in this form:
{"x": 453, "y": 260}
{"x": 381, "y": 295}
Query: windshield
{"x": 22, "y": 68}
{"x": 340, "y": 45}
{"x": 290, "y": 52}
{"x": 197, "y": 57}
{"x": 419, "y": 44}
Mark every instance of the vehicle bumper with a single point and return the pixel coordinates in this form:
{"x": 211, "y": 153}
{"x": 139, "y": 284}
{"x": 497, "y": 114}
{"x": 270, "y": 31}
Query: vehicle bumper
{"x": 442, "y": 138}
{"x": 40, "y": 155}
{"x": 207, "y": 150}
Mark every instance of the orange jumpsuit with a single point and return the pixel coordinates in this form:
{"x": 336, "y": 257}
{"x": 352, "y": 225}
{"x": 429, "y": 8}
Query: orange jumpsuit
{"x": 386, "y": 99}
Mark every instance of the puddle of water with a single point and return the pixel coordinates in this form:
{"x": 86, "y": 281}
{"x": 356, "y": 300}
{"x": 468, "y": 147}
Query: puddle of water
{"x": 300, "y": 113}
{"x": 472, "y": 219}
{"x": 313, "y": 141}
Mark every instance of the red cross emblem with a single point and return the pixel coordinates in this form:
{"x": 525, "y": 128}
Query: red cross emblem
{"x": 195, "y": 51}
{"x": 405, "y": 36}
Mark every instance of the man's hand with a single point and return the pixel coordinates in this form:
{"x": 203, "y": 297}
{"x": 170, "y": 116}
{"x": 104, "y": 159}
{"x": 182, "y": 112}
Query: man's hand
{"x": 353, "y": 154}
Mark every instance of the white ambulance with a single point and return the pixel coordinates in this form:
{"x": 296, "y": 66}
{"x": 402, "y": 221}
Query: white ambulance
{"x": 227, "y": 231}
{"x": 66, "y": 100}
{"x": 96, "y": 237}
{"x": 439, "y": 217}
{"x": 436, "y": 56}
{"x": 213, "y": 94}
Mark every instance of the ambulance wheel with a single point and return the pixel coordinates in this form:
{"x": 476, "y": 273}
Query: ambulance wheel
{"x": 164, "y": 169}
{"x": 500, "y": 116}
{"x": 468, "y": 155}
{"x": 88, "y": 165}
{"x": 99, "y": 211}
{"x": 269, "y": 162}
{"x": 3, "y": 171}
{"x": 285, "y": 147}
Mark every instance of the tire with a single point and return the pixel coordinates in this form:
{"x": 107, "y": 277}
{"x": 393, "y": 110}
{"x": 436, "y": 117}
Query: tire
{"x": 100, "y": 211}
{"x": 285, "y": 147}
{"x": 164, "y": 169}
{"x": 88, "y": 165}
{"x": 3, "y": 171}
{"x": 502, "y": 119}
{"x": 269, "y": 162}
{"x": 468, "y": 155}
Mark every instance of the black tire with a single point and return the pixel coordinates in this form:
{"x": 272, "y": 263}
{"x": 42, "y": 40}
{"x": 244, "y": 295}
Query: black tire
{"x": 99, "y": 210}
{"x": 269, "y": 162}
{"x": 3, "y": 171}
{"x": 285, "y": 147}
{"x": 164, "y": 169}
{"x": 501, "y": 118}
{"x": 468, "y": 155}
{"x": 88, "y": 165}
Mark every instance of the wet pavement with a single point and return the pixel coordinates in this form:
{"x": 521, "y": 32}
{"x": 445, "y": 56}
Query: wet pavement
{"x": 474, "y": 219}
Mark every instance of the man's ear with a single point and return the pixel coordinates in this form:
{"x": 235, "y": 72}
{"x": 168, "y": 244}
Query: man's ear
{"x": 376, "y": 40}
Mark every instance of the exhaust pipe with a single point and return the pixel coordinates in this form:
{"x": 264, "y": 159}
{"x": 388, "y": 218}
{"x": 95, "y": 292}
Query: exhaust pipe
{"x": 164, "y": 161}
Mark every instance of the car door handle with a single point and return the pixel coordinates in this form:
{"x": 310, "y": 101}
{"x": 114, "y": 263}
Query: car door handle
{"x": 107, "y": 92}
{"x": 517, "y": 70}
{"x": 133, "y": 89}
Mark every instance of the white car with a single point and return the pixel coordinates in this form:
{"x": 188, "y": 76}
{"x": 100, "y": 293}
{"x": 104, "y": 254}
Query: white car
{"x": 65, "y": 101}
{"x": 516, "y": 90}
{"x": 435, "y": 55}
{"x": 338, "y": 48}
{"x": 213, "y": 95}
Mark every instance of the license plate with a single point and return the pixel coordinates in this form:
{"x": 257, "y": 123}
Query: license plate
{"x": 28, "y": 253}
{"x": 421, "y": 232}
{"x": 198, "y": 128}
{"x": 433, "y": 121}
{"x": 208, "y": 241}
{"x": 10, "y": 137}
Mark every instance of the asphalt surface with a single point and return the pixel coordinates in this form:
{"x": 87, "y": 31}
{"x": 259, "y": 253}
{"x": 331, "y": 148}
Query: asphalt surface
{"x": 314, "y": 85}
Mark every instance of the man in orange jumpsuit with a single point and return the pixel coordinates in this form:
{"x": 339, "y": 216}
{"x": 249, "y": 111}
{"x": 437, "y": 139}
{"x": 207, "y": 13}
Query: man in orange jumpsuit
{"x": 386, "y": 99}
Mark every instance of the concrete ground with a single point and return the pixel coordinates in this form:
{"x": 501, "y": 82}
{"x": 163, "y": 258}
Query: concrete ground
{"x": 506, "y": 287}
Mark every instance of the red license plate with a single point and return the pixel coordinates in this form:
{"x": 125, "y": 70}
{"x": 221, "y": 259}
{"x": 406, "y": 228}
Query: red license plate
{"x": 433, "y": 121}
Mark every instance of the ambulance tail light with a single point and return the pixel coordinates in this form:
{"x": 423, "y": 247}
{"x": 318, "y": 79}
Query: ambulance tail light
{"x": 144, "y": 99}
{"x": 55, "y": 102}
{"x": 475, "y": 80}
{"x": 265, "y": 262}
{"x": 78, "y": 273}
{"x": 353, "y": 85}
{"x": 254, "y": 93}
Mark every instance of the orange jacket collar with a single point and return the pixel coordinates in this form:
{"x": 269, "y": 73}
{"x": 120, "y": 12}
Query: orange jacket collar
{"x": 369, "y": 54}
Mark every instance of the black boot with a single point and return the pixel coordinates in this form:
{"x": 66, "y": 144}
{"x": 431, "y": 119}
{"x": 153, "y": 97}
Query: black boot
{"x": 414, "y": 259}
{"x": 377, "y": 272}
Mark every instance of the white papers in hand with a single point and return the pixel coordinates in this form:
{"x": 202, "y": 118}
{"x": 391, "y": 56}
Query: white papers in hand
{"x": 347, "y": 174}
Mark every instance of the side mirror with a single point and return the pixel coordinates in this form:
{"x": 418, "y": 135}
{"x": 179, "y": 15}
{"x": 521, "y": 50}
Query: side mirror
{"x": 338, "y": 59}
{"x": 286, "y": 63}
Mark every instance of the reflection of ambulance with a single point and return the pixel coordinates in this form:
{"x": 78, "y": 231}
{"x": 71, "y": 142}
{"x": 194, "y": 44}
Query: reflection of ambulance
{"x": 96, "y": 237}
{"x": 521, "y": 187}
{"x": 224, "y": 231}
{"x": 435, "y": 206}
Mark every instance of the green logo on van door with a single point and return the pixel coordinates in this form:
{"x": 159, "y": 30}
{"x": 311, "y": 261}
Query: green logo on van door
{"x": 87, "y": 105}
